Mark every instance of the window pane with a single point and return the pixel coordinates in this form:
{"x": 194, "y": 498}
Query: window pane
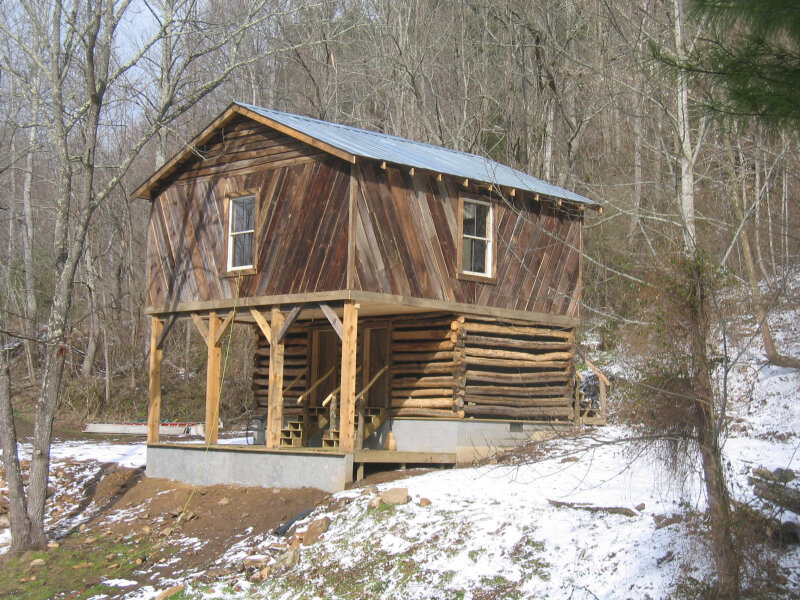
{"x": 242, "y": 250}
{"x": 478, "y": 256}
{"x": 481, "y": 220}
{"x": 466, "y": 255}
{"x": 469, "y": 218}
{"x": 243, "y": 214}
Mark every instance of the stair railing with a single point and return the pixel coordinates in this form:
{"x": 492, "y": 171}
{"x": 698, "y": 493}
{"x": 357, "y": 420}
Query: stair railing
{"x": 315, "y": 385}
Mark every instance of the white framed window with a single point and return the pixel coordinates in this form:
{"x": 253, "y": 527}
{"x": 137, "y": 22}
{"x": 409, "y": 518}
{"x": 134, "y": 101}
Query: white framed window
{"x": 241, "y": 232}
{"x": 477, "y": 242}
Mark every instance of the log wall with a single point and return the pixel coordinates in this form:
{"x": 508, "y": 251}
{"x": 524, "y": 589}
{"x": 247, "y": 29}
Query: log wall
{"x": 448, "y": 366}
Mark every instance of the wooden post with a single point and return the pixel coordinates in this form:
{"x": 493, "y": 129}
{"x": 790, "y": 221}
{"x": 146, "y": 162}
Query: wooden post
{"x": 348, "y": 387}
{"x": 363, "y": 400}
{"x": 213, "y": 378}
{"x": 156, "y": 353}
{"x": 275, "y": 402}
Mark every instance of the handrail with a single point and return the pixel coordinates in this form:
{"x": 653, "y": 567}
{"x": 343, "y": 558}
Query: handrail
{"x": 335, "y": 392}
{"x": 296, "y": 379}
{"x": 371, "y": 382}
{"x": 305, "y": 394}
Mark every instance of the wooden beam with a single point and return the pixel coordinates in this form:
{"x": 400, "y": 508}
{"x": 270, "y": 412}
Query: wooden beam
{"x": 165, "y": 330}
{"x": 223, "y": 328}
{"x": 347, "y": 403}
{"x": 275, "y": 399}
{"x": 201, "y": 327}
{"x": 213, "y": 379}
{"x": 156, "y": 354}
{"x": 262, "y": 323}
{"x": 333, "y": 319}
{"x": 287, "y": 324}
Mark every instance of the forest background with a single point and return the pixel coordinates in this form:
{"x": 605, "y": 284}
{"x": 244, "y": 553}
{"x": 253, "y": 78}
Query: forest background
{"x": 96, "y": 95}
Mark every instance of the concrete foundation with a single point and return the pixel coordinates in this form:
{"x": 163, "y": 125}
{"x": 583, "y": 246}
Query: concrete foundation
{"x": 467, "y": 438}
{"x": 419, "y": 441}
{"x": 244, "y": 465}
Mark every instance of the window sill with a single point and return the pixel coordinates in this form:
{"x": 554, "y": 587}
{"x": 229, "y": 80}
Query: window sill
{"x": 477, "y": 278}
{"x": 239, "y": 272}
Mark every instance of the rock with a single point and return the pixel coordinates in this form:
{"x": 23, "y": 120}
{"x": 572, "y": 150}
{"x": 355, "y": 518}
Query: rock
{"x": 258, "y": 562}
{"x": 166, "y": 532}
{"x": 640, "y": 507}
{"x": 82, "y": 527}
{"x": 53, "y": 545}
{"x": 315, "y": 530}
{"x": 374, "y": 502}
{"x": 138, "y": 561}
{"x": 424, "y": 502}
{"x": 261, "y": 574}
{"x": 662, "y": 521}
{"x": 5, "y": 522}
{"x": 37, "y": 562}
{"x": 147, "y": 530}
{"x": 51, "y": 491}
{"x": 570, "y": 459}
{"x": 83, "y": 565}
{"x": 218, "y": 572}
{"x": 224, "y": 501}
{"x": 170, "y": 592}
{"x": 395, "y": 496}
{"x": 286, "y": 561}
{"x": 90, "y": 540}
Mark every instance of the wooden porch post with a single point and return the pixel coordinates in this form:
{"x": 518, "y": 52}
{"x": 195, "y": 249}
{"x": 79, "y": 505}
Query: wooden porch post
{"x": 275, "y": 401}
{"x": 348, "y": 389}
{"x": 213, "y": 378}
{"x": 154, "y": 408}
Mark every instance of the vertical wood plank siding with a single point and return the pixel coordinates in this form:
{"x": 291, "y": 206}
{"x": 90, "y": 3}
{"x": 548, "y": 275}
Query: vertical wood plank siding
{"x": 406, "y": 243}
{"x": 301, "y": 230}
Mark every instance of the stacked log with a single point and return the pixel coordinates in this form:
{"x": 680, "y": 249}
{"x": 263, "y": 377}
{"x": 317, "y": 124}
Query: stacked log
{"x": 422, "y": 366}
{"x": 516, "y": 370}
{"x": 295, "y": 363}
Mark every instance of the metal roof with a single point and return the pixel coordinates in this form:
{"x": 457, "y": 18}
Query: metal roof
{"x": 402, "y": 151}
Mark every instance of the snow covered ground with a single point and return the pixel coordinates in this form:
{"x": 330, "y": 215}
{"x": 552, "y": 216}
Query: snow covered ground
{"x": 497, "y": 531}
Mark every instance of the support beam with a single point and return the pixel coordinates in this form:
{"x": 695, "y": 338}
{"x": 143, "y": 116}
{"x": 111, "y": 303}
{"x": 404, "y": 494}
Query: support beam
{"x": 275, "y": 399}
{"x": 287, "y": 324}
{"x": 223, "y": 329}
{"x": 165, "y": 330}
{"x": 262, "y": 323}
{"x": 213, "y": 379}
{"x": 348, "y": 387}
{"x": 333, "y": 319}
{"x": 156, "y": 353}
{"x": 201, "y": 327}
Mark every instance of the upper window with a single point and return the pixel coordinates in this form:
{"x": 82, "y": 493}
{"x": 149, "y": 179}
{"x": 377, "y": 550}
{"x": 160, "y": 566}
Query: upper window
{"x": 476, "y": 238}
{"x": 241, "y": 232}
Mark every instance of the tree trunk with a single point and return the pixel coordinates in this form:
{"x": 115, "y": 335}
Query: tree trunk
{"x": 20, "y": 523}
{"x": 94, "y": 321}
{"x": 30, "y": 319}
{"x": 726, "y": 556}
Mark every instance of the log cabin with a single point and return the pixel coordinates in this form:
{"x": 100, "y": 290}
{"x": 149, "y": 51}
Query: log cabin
{"x": 410, "y": 303}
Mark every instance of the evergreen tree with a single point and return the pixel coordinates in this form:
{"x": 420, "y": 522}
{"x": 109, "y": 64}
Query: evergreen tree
{"x": 751, "y": 50}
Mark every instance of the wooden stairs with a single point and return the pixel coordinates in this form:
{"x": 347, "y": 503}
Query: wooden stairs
{"x": 319, "y": 419}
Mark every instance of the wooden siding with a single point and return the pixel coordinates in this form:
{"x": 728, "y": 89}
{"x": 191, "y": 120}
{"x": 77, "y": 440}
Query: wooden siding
{"x": 406, "y": 236}
{"x": 301, "y": 234}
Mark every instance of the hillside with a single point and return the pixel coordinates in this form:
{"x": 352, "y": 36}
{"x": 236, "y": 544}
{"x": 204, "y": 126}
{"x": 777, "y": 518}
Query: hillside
{"x": 594, "y": 515}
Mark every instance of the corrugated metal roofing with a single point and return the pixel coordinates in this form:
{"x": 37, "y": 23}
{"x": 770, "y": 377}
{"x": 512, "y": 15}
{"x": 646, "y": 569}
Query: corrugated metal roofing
{"x": 401, "y": 151}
